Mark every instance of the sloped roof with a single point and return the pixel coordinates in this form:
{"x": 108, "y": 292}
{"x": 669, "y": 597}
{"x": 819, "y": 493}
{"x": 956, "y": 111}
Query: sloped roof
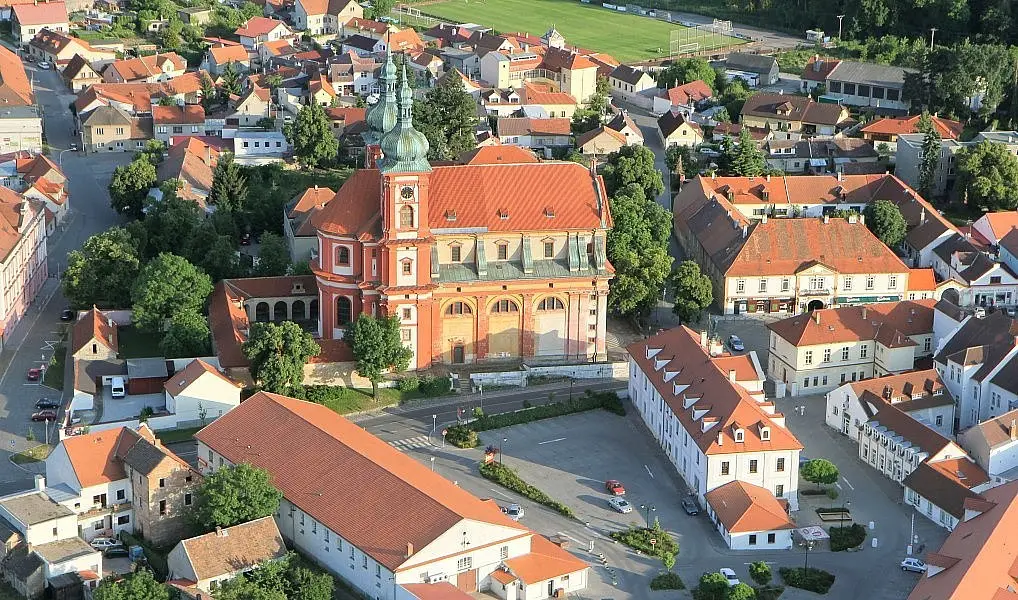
{"x": 544, "y": 94}
{"x": 15, "y": 89}
{"x": 744, "y": 508}
{"x": 516, "y": 126}
{"x": 545, "y": 561}
{"x": 557, "y": 59}
{"x": 78, "y": 66}
{"x": 235, "y": 549}
{"x": 948, "y": 129}
{"x": 143, "y": 67}
{"x": 947, "y": 483}
{"x": 908, "y": 391}
{"x": 792, "y": 108}
{"x": 858, "y": 323}
{"x": 996, "y": 431}
{"x": 183, "y": 378}
{"x": 228, "y": 54}
{"x": 689, "y": 93}
{"x": 94, "y": 325}
{"x": 754, "y": 63}
{"x": 188, "y": 114}
{"x": 603, "y": 131}
{"x": 628, "y": 74}
{"x": 498, "y": 154}
{"x": 43, "y": 13}
{"x": 669, "y": 122}
{"x": 257, "y": 26}
{"x": 387, "y": 501}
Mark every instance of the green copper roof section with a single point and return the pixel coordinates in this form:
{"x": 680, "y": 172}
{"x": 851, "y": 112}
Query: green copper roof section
{"x": 383, "y": 115}
{"x": 405, "y": 149}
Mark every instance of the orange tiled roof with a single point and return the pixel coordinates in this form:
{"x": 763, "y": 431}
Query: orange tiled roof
{"x": 141, "y": 68}
{"x": 310, "y": 199}
{"x": 189, "y": 114}
{"x": 947, "y": 483}
{"x": 556, "y": 59}
{"x": 498, "y": 154}
{"x": 257, "y": 26}
{"x": 544, "y": 94}
{"x": 234, "y": 549}
{"x": 743, "y": 507}
{"x": 585, "y": 138}
{"x": 15, "y": 89}
{"x": 43, "y": 13}
{"x": 228, "y": 54}
{"x": 516, "y": 126}
{"x": 442, "y": 590}
{"x": 189, "y": 374}
{"x": 94, "y": 325}
{"x": 279, "y": 47}
{"x": 688, "y": 93}
{"x": 948, "y": 129}
{"x": 819, "y": 67}
{"x": 545, "y": 561}
{"x": 388, "y": 501}
{"x": 855, "y": 323}
{"x": 405, "y": 39}
{"x": 1002, "y": 222}
{"x": 93, "y": 457}
{"x": 921, "y": 280}
{"x": 902, "y": 388}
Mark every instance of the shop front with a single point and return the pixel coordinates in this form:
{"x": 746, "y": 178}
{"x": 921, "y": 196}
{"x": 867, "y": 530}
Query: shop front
{"x": 852, "y": 300}
{"x": 765, "y": 305}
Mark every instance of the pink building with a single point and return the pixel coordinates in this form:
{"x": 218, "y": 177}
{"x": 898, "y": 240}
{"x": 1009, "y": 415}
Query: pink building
{"x": 22, "y": 256}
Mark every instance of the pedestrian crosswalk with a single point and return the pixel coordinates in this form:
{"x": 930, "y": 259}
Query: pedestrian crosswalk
{"x": 420, "y": 441}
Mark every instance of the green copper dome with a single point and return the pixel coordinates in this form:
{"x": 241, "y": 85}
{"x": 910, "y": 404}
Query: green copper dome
{"x": 383, "y": 115}
{"x": 405, "y": 149}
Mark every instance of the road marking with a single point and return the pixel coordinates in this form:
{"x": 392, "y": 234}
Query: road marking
{"x": 550, "y": 441}
{"x": 33, "y": 384}
{"x": 838, "y": 485}
{"x": 501, "y": 494}
{"x": 848, "y": 484}
{"x": 766, "y": 562}
{"x": 420, "y": 441}
{"x": 563, "y": 534}
{"x": 648, "y": 471}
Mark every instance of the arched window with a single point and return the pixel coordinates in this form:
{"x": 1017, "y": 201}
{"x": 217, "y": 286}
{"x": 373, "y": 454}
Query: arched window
{"x": 279, "y": 311}
{"x": 504, "y": 306}
{"x": 298, "y": 310}
{"x": 262, "y": 312}
{"x": 344, "y": 310}
{"x": 458, "y": 308}
{"x": 551, "y": 303}
{"x": 406, "y": 216}
{"x": 313, "y": 310}
{"x": 343, "y": 256}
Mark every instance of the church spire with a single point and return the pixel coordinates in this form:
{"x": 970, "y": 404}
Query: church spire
{"x": 382, "y": 116}
{"x": 405, "y": 149}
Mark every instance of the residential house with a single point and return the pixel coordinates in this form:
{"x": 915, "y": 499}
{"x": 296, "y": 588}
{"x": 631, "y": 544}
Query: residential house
{"x": 427, "y": 66}
{"x": 993, "y": 226}
{"x": 201, "y": 564}
{"x": 94, "y": 337}
{"x": 22, "y": 257}
{"x": 217, "y": 58}
{"x": 1007, "y": 249}
{"x": 940, "y": 488}
{"x": 467, "y": 62}
{"x": 541, "y": 135}
{"x": 888, "y": 129}
{"x": 320, "y": 17}
{"x": 501, "y": 103}
{"x": 177, "y": 120}
{"x": 978, "y": 361}
{"x": 20, "y": 121}
{"x": 601, "y": 141}
{"x": 122, "y": 479}
{"x": 447, "y": 35}
{"x": 868, "y": 84}
{"x": 754, "y": 269}
{"x": 79, "y": 74}
{"x": 403, "y": 40}
{"x": 258, "y": 30}
{"x": 199, "y": 394}
{"x": 29, "y": 19}
{"x": 825, "y": 156}
{"x": 145, "y": 69}
{"x": 427, "y": 544}
{"x": 675, "y": 129}
{"x": 363, "y": 45}
{"x": 825, "y": 348}
{"x": 42, "y": 180}
{"x": 367, "y": 27}
{"x": 507, "y": 66}
{"x": 743, "y": 461}
{"x": 919, "y": 394}
{"x": 253, "y": 107}
{"x": 993, "y": 444}
{"x": 345, "y": 119}
{"x": 909, "y": 152}
{"x": 625, "y": 125}
{"x": 267, "y": 51}
{"x": 300, "y": 235}
{"x": 978, "y": 279}
{"x": 543, "y": 102}
{"x": 58, "y": 48}
{"x": 111, "y": 129}
{"x": 977, "y": 560}
{"x": 629, "y": 82}
{"x": 321, "y": 92}
{"x": 754, "y": 69}
{"x": 685, "y": 98}
{"x": 191, "y": 162}
{"x": 787, "y": 113}
{"x": 252, "y": 147}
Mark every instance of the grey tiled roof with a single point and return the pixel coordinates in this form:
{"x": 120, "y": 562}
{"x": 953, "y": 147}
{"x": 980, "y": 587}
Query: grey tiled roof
{"x": 505, "y": 270}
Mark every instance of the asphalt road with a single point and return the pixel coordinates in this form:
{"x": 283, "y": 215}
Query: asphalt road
{"x": 31, "y": 342}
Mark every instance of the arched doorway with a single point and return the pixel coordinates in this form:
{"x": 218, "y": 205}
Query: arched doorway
{"x": 279, "y": 312}
{"x": 344, "y": 311}
{"x": 262, "y": 312}
{"x": 504, "y": 329}
{"x": 815, "y": 305}
{"x": 298, "y": 311}
{"x": 457, "y": 332}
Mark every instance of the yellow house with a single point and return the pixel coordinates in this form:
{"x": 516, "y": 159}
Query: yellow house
{"x": 785, "y": 112}
{"x": 675, "y": 129}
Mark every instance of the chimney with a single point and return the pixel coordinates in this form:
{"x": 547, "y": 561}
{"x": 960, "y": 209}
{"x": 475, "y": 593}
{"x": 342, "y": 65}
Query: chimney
{"x": 827, "y": 218}
{"x": 745, "y": 231}
{"x": 763, "y": 219}
{"x": 40, "y": 480}
{"x": 864, "y": 311}
{"x": 816, "y": 316}
{"x": 1013, "y": 432}
{"x": 922, "y": 215}
{"x": 409, "y": 549}
{"x": 703, "y": 339}
{"x": 768, "y": 176}
{"x": 817, "y": 63}
{"x": 841, "y": 176}
{"x": 731, "y": 375}
{"x": 862, "y": 219}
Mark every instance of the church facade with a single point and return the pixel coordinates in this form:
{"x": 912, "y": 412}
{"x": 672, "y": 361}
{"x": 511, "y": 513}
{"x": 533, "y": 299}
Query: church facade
{"x": 497, "y": 257}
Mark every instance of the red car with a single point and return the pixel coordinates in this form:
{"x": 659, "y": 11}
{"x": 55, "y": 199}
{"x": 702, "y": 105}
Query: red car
{"x": 45, "y": 415}
{"x": 614, "y": 487}
{"x": 34, "y": 374}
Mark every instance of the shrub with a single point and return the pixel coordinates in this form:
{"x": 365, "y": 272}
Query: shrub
{"x": 843, "y": 538}
{"x": 638, "y": 538}
{"x": 590, "y": 401}
{"x": 760, "y": 572}
{"x": 508, "y": 478}
{"x": 410, "y": 383}
{"x": 527, "y": 404}
{"x": 769, "y": 592}
{"x": 462, "y": 436}
{"x": 812, "y": 580}
{"x": 434, "y": 386}
{"x": 667, "y": 581}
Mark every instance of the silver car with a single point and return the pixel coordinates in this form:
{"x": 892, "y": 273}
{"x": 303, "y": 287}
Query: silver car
{"x": 913, "y": 564}
{"x": 514, "y": 512}
{"x": 620, "y": 504}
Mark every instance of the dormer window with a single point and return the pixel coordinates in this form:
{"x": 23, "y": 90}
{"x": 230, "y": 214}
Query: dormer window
{"x": 503, "y": 214}
{"x": 549, "y": 212}
{"x": 765, "y": 434}
{"x": 740, "y": 435}
{"x": 455, "y": 252}
{"x": 450, "y": 215}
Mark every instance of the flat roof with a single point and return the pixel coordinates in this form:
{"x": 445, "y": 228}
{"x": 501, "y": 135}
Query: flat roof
{"x": 147, "y": 367}
{"x": 58, "y": 552}
{"x": 34, "y": 507}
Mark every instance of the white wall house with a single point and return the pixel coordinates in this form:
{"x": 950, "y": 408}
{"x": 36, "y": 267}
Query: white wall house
{"x": 199, "y": 393}
{"x": 993, "y": 444}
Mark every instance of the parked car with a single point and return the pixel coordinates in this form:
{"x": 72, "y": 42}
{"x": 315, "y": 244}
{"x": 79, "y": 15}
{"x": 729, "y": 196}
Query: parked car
{"x": 689, "y": 505}
{"x": 913, "y": 564}
{"x": 116, "y": 552}
{"x": 513, "y": 511}
{"x": 45, "y": 415}
{"x": 44, "y": 65}
{"x": 67, "y": 315}
{"x": 980, "y": 313}
{"x": 102, "y": 543}
{"x": 47, "y": 404}
{"x": 35, "y": 374}
{"x": 735, "y": 343}
{"x": 614, "y": 487}
{"x": 729, "y": 576}
{"x": 620, "y": 504}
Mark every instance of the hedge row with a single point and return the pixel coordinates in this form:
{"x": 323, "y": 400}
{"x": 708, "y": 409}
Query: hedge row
{"x": 589, "y": 401}
{"x": 812, "y": 580}
{"x": 510, "y": 479}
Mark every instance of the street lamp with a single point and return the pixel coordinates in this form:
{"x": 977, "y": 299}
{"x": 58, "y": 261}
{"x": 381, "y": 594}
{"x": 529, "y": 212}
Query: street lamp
{"x": 434, "y": 426}
{"x": 840, "y": 17}
{"x": 432, "y": 464}
{"x": 480, "y": 388}
{"x": 805, "y": 566}
{"x": 505, "y": 441}
{"x": 60, "y": 157}
{"x": 648, "y": 508}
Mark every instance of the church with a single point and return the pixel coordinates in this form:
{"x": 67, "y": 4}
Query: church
{"x": 498, "y": 256}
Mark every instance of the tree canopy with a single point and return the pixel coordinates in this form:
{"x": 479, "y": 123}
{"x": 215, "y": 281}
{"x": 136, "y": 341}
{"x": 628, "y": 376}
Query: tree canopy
{"x": 273, "y": 256}
{"x": 742, "y": 158}
{"x": 686, "y": 70}
{"x": 593, "y": 114}
{"x": 712, "y": 586}
{"x": 103, "y": 271}
{"x": 187, "y": 336}
{"x": 165, "y": 286}
{"x": 886, "y": 222}
{"x": 234, "y": 494}
{"x": 633, "y": 165}
{"x": 929, "y": 154}
{"x": 171, "y": 223}
{"x": 819, "y": 471}
{"x": 130, "y": 185}
{"x": 377, "y": 347}
{"x": 761, "y": 573}
{"x": 229, "y": 186}
{"x": 311, "y": 134}
{"x": 140, "y": 585}
{"x": 447, "y": 117}
{"x": 638, "y": 249}
{"x": 286, "y": 579}
{"x": 278, "y": 354}
{"x": 693, "y": 291}
{"x": 987, "y": 173}
{"x": 740, "y": 591}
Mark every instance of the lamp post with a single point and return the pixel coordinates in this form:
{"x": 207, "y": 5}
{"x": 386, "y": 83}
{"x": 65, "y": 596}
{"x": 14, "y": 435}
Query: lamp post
{"x": 840, "y": 17}
{"x": 480, "y": 389}
{"x": 60, "y": 157}
{"x": 805, "y": 566}
{"x": 505, "y": 441}
{"x": 434, "y": 426}
{"x": 648, "y": 508}
{"x": 432, "y": 464}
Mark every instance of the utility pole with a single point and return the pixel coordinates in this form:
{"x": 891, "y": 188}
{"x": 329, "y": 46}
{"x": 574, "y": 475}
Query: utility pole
{"x": 840, "y": 17}
{"x": 933, "y": 31}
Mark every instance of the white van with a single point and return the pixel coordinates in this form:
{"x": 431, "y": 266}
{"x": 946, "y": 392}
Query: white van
{"x": 117, "y": 387}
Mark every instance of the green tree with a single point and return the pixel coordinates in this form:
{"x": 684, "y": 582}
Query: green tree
{"x": 668, "y": 561}
{"x": 188, "y": 336}
{"x": 447, "y": 117}
{"x": 593, "y": 114}
{"x": 312, "y": 138}
{"x": 229, "y": 186}
{"x": 819, "y": 471}
{"x": 685, "y": 70}
{"x": 102, "y": 271}
{"x": 987, "y": 173}
{"x": 153, "y": 149}
{"x": 209, "y": 95}
{"x": 241, "y": 588}
{"x": 377, "y": 347}
{"x": 278, "y": 354}
{"x": 213, "y": 252}
{"x": 712, "y": 586}
{"x": 229, "y": 84}
{"x": 638, "y": 249}
{"x": 886, "y": 222}
{"x": 273, "y": 256}
{"x": 170, "y": 224}
{"x": 929, "y": 154}
{"x": 232, "y": 495}
{"x": 760, "y": 571}
{"x": 140, "y": 585}
{"x": 742, "y": 158}
{"x": 129, "y": 186}
{"x": 740, "y": 591}
{"x": 692, "y": 290}
{"x": 381, "y": 8}
{"x": 305, "y": 584}
{"x": 681, "y": 161}
{"x": 633, "y": 165}
{"x": 166, "y": 285}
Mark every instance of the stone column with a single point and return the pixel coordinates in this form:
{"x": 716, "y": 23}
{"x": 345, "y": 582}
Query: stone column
{"x": 481, "y": 328}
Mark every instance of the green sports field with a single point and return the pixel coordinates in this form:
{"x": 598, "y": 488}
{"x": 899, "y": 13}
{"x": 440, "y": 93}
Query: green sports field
{"x": 627, "y": 37}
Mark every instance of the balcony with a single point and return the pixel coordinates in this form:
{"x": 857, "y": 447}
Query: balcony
{"x": 99, "y": 510}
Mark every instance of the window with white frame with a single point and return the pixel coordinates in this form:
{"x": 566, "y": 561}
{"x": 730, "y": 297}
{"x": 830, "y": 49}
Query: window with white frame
{"x": 869, "y": 282}
{"x": 465, "y": 563}
{"x": 809, "y": 357}
{"x": 827, "y": 355}
{"x": 740, "y": 286}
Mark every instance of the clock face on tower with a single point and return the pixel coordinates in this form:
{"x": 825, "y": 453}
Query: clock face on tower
{"x": 407, "y": 192}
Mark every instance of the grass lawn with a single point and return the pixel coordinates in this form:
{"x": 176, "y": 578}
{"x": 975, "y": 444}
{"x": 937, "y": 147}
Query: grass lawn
{"x": 170, "y": 436}
{"x": 32, "y": 455}
{"x": 54, "y": 377}
{"x": 627, "y": 37}
{"x": 135, "y": 343}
